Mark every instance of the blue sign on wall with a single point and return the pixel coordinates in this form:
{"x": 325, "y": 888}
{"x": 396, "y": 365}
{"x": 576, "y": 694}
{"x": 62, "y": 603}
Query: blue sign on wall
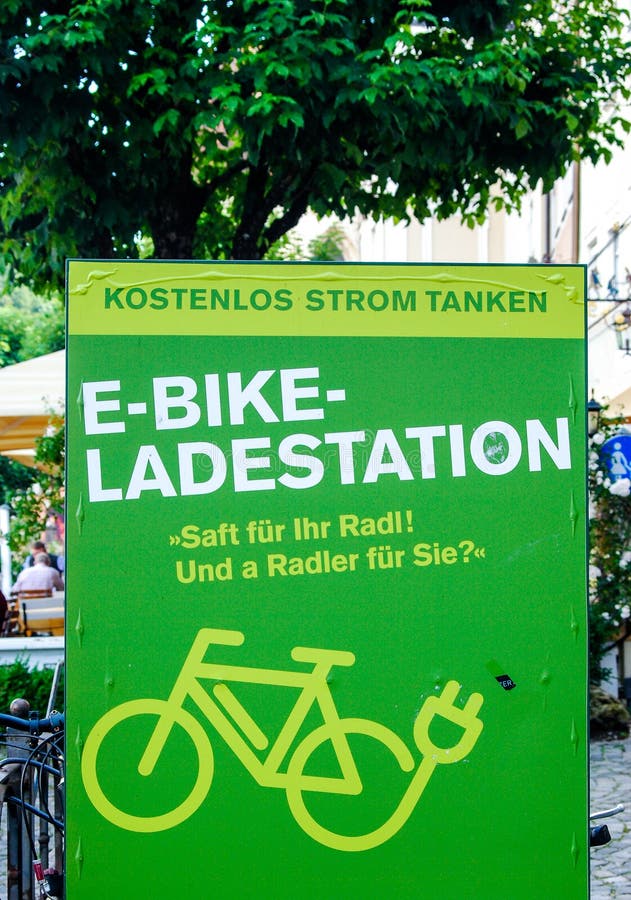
{"x": 616, "y": 453}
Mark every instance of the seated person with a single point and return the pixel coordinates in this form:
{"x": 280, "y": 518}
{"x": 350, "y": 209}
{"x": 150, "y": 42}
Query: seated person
{"x": 39, "y": 577}
{"x": 40, "y": 547}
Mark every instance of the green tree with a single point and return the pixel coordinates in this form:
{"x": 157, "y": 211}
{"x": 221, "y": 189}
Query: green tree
{"x": 325, "y": 247}
{"x": 29, "y": 326}
{"x": 610, "y": 555}
{"x": 210, "y": 127}
{"x": 13, "y": 477}
{"x": 32, "y": 503}
{"x": 328, "y": 246}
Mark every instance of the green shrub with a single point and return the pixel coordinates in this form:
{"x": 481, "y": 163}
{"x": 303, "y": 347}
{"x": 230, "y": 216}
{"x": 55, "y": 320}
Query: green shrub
{"x": 608, "y": 716}
{"x": 34, "y": 685}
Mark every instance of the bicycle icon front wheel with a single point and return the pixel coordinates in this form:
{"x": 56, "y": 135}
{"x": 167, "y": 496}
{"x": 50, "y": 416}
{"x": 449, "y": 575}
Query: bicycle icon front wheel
{"x": 156, "y": 711}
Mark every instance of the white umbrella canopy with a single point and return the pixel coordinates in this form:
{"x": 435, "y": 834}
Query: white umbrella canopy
{"x": 29, "y": 393}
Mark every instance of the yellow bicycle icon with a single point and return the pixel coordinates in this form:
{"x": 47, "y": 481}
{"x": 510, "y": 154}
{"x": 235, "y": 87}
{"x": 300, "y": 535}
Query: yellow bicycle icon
{"x": 244, "y": 736}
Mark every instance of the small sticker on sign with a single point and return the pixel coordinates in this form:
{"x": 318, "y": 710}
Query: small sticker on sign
{"x": 506, "y": 681}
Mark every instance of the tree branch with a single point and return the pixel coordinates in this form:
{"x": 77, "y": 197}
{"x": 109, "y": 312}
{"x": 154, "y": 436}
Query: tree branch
{"x": 288, "y": 220}
{"x": 224, "y": 177}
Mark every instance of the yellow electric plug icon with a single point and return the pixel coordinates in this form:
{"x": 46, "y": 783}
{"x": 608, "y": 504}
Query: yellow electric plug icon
{"x": 465, "y": 717}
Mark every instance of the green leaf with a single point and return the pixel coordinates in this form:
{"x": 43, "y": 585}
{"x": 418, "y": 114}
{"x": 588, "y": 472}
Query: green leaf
{"x": 521, "y": 128}
{"x": 294, "y": 116}
{"x": 467, "y": 96}
{"x": 572, "y": 123}
{"x": 167, "y": 121}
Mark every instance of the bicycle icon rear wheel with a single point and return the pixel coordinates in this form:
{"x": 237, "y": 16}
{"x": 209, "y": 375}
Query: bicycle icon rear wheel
{"x": 89, "y": 765}
{"x": 297, "y": 780}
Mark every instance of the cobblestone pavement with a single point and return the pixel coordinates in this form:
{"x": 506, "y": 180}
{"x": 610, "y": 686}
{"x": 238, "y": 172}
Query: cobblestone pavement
{"x": 610, "y": 783}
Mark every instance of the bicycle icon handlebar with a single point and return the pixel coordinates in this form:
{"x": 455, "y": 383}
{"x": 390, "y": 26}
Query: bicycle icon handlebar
{"x": 232, "y": 721}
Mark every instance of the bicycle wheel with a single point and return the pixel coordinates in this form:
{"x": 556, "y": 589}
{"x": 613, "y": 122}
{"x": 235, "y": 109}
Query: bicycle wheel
{"x": 298, "y": 782}
{"x": 89, "y": 765}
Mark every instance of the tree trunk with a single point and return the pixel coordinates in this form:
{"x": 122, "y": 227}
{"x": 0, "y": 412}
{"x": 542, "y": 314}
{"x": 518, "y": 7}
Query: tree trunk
{"x": 245, "y": 246}
{"x": 174, "y": 215}
{"x": 173, "y": 232}
{"x": 105, "y": 245}
{"x": 172, "y": 237}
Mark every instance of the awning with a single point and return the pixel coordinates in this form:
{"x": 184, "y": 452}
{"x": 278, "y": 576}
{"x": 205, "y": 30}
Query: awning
{"x": 30, "y": 392}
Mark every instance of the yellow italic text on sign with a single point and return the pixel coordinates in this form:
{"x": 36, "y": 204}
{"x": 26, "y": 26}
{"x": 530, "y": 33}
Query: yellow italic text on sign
{"x": 264, "y": 757}
{"x": 196, "y": 298}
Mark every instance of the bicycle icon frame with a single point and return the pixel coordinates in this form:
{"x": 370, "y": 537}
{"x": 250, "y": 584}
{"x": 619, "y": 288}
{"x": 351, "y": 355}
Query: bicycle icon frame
{"x": 243, "y": 735}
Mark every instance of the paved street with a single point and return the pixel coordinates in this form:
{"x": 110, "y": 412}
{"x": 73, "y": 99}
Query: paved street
{"x": 610, "y": 783}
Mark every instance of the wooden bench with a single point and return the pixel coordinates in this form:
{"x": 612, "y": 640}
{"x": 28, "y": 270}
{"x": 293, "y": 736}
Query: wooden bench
{"x": 35, "y": 612}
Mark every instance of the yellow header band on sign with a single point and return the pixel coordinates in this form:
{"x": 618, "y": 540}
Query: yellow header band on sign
{"x": 293, "y": 299}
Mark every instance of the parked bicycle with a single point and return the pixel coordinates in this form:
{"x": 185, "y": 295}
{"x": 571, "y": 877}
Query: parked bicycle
{"x": 599, "y": 835}
{"x": 31, "y": 789}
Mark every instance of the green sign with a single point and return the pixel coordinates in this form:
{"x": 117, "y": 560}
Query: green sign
{"x": 326, "y": 626}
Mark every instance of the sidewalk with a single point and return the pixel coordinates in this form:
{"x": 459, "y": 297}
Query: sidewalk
{"x": 610, "y": 783}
